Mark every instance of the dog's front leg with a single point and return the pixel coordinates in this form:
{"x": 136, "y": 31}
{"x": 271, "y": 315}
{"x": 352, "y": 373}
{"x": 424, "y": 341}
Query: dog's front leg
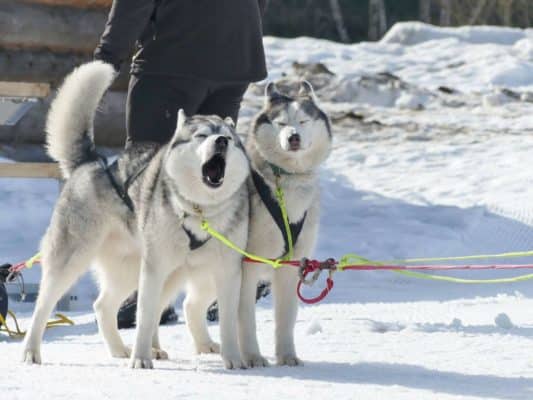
{"x": 285, "y": 312}
{"x": 228, "y": 283}
{"x": 247, "y": 320}
{"x": 154, "y": 272}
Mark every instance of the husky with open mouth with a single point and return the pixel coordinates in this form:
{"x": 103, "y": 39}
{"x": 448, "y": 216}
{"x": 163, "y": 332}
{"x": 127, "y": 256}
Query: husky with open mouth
{"x": 139, "y": 221}
{"x": 289, "y": 140}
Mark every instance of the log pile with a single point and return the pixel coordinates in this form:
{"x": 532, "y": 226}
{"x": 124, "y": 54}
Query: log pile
{"x": 41, "y": 41}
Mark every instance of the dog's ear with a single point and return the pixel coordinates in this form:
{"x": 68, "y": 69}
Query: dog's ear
{"x": 230, "y": 122}
{"x": 182, "y": 117}
{"x": 179, "y": 135}
{"x": 306, "y": 90}
{"x": 271, "y": 92}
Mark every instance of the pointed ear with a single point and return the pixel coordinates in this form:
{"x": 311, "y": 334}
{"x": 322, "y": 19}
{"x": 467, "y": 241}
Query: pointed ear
{"x": 271, "y": 90}
{"x": 181, "y": 120}
{"x": 306, "y": 90}
{"x": 229, "y": 121}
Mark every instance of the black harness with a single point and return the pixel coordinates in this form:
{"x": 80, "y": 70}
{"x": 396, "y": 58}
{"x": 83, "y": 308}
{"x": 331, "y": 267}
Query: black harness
{"x": 194, "y": 242}
{"x": 275, "y": 211}
{"x": 121, "y": 190}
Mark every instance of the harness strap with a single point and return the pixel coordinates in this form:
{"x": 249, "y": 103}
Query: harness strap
{"x": 194, "y": 242}
{"x": 122, "y": 192}
{"x": 277, "y": 214}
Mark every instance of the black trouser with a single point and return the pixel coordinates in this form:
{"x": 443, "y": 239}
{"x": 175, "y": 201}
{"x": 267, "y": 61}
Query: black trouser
{"x": 154, "y": 100}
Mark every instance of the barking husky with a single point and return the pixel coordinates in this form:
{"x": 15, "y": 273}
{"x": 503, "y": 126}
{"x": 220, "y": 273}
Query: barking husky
{"x": 289, "y": 140}
{"x": 139, "y": 220}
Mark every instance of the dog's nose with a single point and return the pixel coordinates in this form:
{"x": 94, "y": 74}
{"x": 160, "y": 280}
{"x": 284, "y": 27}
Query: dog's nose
{"x": 221, "y": 144}
{"x": 294, "y": 142}
{"x": 294, "y": 138}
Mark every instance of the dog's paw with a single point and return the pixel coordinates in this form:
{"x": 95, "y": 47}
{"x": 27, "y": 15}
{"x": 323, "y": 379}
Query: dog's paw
{"x": 256, "y": 361}
{"x": 208, "y": 348}
{"x": 31, "y": 357}
{"x": 121, "y": 352}
{"x": 141, "y": 363}
{"x": 233, "y": 363}
{"x": 290, "y": 360}
{"x": 159, "y": 354}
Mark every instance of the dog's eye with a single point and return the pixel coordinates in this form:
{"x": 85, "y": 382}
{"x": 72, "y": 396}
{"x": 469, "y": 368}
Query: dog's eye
{"x": 304, "y": 122}
{"x": 200, "y": 136}
{"x": 281, "y": 123}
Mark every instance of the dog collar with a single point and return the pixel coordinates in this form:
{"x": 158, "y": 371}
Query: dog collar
{"x": 278, "y": 171}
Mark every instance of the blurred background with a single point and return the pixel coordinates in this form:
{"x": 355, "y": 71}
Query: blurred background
{"x": 42, "y": 40}
{"x": 357, "y": 20}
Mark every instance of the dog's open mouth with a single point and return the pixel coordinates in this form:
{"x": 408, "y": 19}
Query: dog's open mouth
{"x": 213, "y": 171}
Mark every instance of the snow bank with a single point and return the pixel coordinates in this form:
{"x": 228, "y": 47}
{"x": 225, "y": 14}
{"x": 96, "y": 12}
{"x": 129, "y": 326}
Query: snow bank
{"x": 411, "y": 33}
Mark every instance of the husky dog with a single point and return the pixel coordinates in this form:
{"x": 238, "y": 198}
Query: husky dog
{"x": 139, "y": 220}
{"x": 289, "y": 140}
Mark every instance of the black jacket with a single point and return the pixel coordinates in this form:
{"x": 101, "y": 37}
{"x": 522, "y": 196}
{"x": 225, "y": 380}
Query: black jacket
{"x": 216, "y": 40}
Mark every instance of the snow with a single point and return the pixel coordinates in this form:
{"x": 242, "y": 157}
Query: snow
{"x": 412, "y": 33}
{"x": 430, "y": 159}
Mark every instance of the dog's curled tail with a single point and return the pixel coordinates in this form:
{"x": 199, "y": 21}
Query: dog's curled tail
{"x": 70, "y": 138}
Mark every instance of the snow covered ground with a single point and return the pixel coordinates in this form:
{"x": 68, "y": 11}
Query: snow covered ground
{"x": 433, "y": 138}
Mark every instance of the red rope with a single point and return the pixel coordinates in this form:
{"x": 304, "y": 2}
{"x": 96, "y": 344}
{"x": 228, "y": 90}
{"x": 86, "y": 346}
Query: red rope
{"x": 314, "y": 265}
{"x": 17, "y": 267}
{"x": 321, "y": 296}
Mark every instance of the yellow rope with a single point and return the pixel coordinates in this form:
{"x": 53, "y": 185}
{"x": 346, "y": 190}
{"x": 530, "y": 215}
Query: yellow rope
{"x": 355, "y": 259}
{"x": 224, "y": 240}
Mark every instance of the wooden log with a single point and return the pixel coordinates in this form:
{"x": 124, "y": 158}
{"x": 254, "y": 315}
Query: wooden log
{"x": 110, "y": 125}
{"x": 24, "y": 89}
{"x": 30, "y": 170}
{"x": 73, "y": 3}
{"x": 47, "y": 67}
{"x": 58, "y": 29}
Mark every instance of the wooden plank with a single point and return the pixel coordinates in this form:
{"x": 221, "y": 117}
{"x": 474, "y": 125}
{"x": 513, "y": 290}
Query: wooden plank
{"x": 30, "y": 170}
{"x": 46, "y": 67}
{"x": 110, "y": 121}
{"x": 73, "y": 3}
{"x": 61, "y": 30}
{"x": 24, "y": 89}
{"x": 37, "y": 66}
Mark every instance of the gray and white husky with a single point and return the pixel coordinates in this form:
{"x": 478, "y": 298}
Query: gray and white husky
{"x": 139, "y": 221}
{"x": 289, "y": 140}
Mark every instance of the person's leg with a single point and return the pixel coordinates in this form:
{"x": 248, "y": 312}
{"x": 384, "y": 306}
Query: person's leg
{"x": 224, "y": 100}
{"x": 153, "y": 103}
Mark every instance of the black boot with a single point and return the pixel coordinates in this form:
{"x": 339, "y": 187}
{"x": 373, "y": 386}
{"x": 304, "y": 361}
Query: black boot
{"x": 263, "y": 290}
{"x": 127, "y": 313}
{"x": 4, "y": 272}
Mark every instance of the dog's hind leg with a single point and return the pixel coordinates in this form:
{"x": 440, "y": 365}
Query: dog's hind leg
{"x": 118, "y": 278}
{"x": 64, "y": 259}
{"x": 285, "y": 311}
{"x": 248, "y": 344}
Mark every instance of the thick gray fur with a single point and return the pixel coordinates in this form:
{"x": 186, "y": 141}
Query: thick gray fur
{"x": 146, "y": 249}
{"x": 288, "y": 110}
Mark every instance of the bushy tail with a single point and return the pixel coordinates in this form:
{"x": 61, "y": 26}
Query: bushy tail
{"x": 70, "y": 121}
